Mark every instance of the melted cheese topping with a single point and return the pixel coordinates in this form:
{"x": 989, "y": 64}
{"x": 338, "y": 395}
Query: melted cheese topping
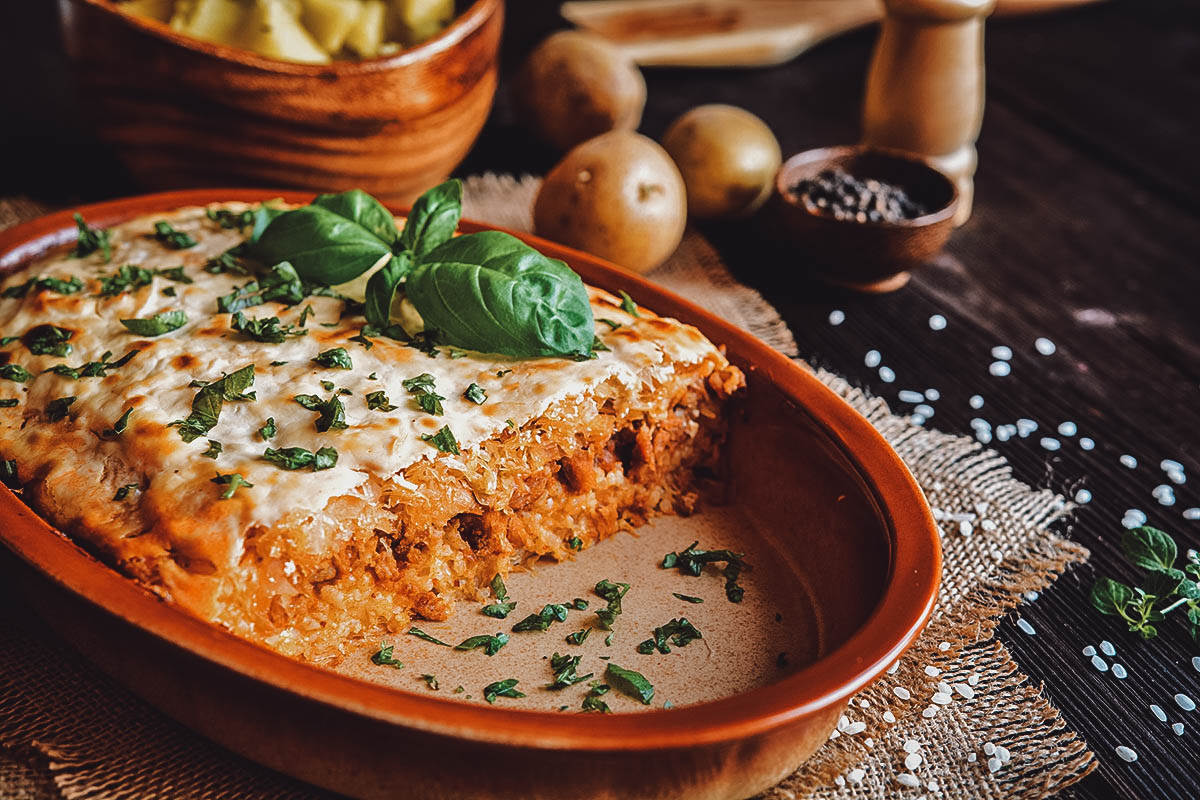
{"x": 155, "y": 383}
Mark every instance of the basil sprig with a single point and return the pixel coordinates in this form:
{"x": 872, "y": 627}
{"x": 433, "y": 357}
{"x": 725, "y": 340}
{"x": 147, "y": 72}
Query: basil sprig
{"x": 486, "y": 291}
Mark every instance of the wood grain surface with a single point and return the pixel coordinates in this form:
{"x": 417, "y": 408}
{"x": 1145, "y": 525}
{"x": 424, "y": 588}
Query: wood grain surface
{"x": 1085, "y": 231}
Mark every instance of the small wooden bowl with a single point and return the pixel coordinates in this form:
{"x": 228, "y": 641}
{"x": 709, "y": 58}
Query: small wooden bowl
{"x": 180, "y": 112}
{"x": 869, "y": 256}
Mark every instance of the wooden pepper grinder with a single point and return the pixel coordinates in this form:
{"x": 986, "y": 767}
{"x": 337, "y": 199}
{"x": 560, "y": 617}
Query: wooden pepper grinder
{"x": 925, "y": 86}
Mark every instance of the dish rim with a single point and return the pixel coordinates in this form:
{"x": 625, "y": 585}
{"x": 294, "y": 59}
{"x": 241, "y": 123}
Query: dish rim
{"x": 471, "y": 19}
{"x": 899, "y": 616}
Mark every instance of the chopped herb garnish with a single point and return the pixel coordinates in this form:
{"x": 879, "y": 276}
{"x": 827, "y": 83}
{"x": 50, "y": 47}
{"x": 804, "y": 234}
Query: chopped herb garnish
{"x": 1166, "y": 586}
{"x": 9, "y": 402}
{"x": 281, "y": 284}
{"x": 332, "y": 411}
{"x": 597, "y": 344}
{"x": 431, "y": 681}
{"x": 425, "y": 341}
{"x": 378, "y": 401}
{"x": 57, "y": 409}
{"x": 232, "y": 482}
{"x": 268, "y": 430}
{"x": 328, "y": 385}
{"x": 423, "y": 390}
{"x": 627, "y": 304}
{"x": 278, "y": 363}
{"x": 231, "y": 219}
{"x": 15, "y": 372}
{"x": 169, "y": 291}
{"x": 420, "y": 634}
{"x": 504, "y": 688}
{"x": 92, "y": 369}
{"x": 459, "y": 689}
{"x": 57, "y": 285}
{"x": 8, "y": 473}
{"x": 502, "y": 607}
{"x": 540, "y": 621}
{"x": 611, "y": 593}
{"x": 363, "y": 340}
{"x": 592, "y": 701}
{"x": 384, "y": 658}
{"x": 89, "y": 240}
{"x": 170, "y": 238}
{"x": 612, "y": 324}
{"x": 511, "y": 425}
{"x": 48, "y": 340}
{"x": 305, "y": 313}
{"x": 490, "y": 644}
{"x": 475, "y": 394}
{"x": 125, "y": 491}
{"x": 578, "y": 637}
{"x": 120, "y": 425}
{"x": 7, "y": 340}
{"x": 688, "y": 598}
{"x": 629, "y": 682}
{"x": 228, "y": 262}
{"x": 575, "y": 543}
{"x": 157, "y": 325}
{"x": 678, "y": 632}
{"x": 267, "y": 329}
{"x": 335, "y": 358}
{"x": 206, "y": 405}
{"x": 372, "y": 377}
{"x": 608, "y": 640}
{"x": 174, "y": 274}
{"x": 292, "y": 458}
{"x": 691, "y": 562}
{"x": 443, "y": 440}
{"x": 564, "y": 671}
{"x": 500, "y": 373}
{"x": 126, "y": 278}
{"x": 214, "y": 450}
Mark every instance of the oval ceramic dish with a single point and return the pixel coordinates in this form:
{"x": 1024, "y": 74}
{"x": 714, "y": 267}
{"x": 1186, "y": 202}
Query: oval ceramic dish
{"x": 811, "y": 483}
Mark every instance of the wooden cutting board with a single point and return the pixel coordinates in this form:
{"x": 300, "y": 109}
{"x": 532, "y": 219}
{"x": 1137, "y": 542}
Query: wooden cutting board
{"x": 737, "y": 33}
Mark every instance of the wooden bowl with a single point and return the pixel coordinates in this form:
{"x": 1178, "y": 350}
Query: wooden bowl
{"x": 180, "y": 112}
{"x": 870, "y": 256}
{"x": 811, "y": 481}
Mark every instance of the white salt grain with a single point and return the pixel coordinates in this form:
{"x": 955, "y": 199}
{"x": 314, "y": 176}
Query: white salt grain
{"x": 843, "y": 721}
{"x": 834, "y": 735}
{"x": 855, "y": 728}
{"x": 989, "y": 748}
{"x": 1177, "y": 477}
{"x": 1024, "y": 625}
{"x": 869, "y": 742}
{"x": 941, "y": 698}
{"x": 1003, "y": 753}
{"x": 1128, "y": 461}
{"x": 911, "y": 745}
{"x": 965, "y": 690}
{"x": 1119, "y": 671}
{"x": 916, "y": 419}
{"x": 943, "y": 646}
{"x": 933, "y": 395}
{"x": 1089, "y": 651}
{"x": 988, "y": 525}
{"x": 1196, "y": 663}
{"x": 1044, "y": 346}
{"x": 901, "y": 692}
{"x": 1026, "y": 427}
{"x": 1099, "y": 663}
{"x": 965, "y": 527}
{"x": 839, "y": 781}
{"x": 873, "y": 359}
{"x": 932, "y": 786}
{"x": 864, "y": 703}
{"x": 932, "y": 672}
{"x": 855, "y": 776}
{"x": 937, "y": 322}
{"x": 1086, "y": 444}
{"x": 912, "y": 761}
{"x": 886, "y": 374}
{"x": 1178, "y": 728}
{"x": 837, "y": 317}
{"x": 1067, "y": 429}
{"x": 1158, "y": 712}
{"x": 892, "y": 669}
{"x": 993, "y": 764}
{"x": 1050, "y": 443}
{"x": 1185, "y": 702}
{"x": 929, "y": 712}
{"x": 1107, "y": 648}
{"x": 1191, "y": 513}
{"x": 1002, "y": 353}
{"x": 1164, "y": 494}
{"x": 1083, "y": 497}
{"x": 943, "y": 687}
{"x": 999, "y": 368}
{"x": 1170, "y": 465}
{"x": 1127, "y": 754}
{"x": 889, "y": 717}
{"x": 971, "y": 757}
{"x": 976, "y": 402}
{"x": 973, "y": 679}
{"x": 1134, "y": 517}
{"x": 909, "y": 780}
{"x": 909, "y": 396}
{"x": 925, "y": 410}
{"x": 1030, "y": 596}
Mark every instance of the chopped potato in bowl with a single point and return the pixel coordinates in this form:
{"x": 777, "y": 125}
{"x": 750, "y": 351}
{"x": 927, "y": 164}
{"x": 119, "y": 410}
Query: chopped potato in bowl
{"x": 306, "y": 31}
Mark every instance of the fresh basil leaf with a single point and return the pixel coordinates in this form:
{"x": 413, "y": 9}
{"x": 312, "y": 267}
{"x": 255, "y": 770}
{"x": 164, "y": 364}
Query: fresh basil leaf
{"x": 206, "y": 405}
{"x": 323, "y": 245}
{"x": 630, "y": 682}
{"x": 170, "y": 238}
{"x": 493, "y": 293}
{"x": 627, "y": 304}
{"x": 504, "y": 688}
{"x": 121, "y": 424}
{"x": 264, "y": 215}
{"x": 363, "y": 209}
{"x": 433, "y": 219}
{"x": 1163, "y": 584}
{"x": 9, "y": 402}
{"x": 420, "y": 634}
{"x": 540, "y": 621}
{"x": 48, "y": 340}
{"x": 384, "y": 658}
{"x": 228, "y": 262}
{"x": 564, "y": 671}
{"x": 157, "y": 325}
{"x": 89, "y": 240}
{"x": 293, "y": 458}
{"x": 335, "y": 358}
{"x": 679, "y": 632}
{"x": 281, "y": 284}
{"x": 443, "y": 440}
{"x": 57, "y": 409}
{"x": 40, "y": 284}
{"x": 1149, "y": 548}
{"x": 232, "y": 482}
{"x": 267, "y": 329}
{"x": 268, "y": 430}
{"x": 174, "y": 274}
{"x": 214, "y": 450}
{"x": 476, "y": 394}
{"x": 15, "y": 372}
{"x": 1110, "y": 597}
{"x": 378, "y": 401}
{"x": 490, "y": 644}
{"x": 381, "y": 289}
{"x": 332, "y": 411}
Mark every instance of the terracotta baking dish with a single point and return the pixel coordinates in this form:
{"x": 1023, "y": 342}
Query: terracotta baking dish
{"x": 809, "y": 478}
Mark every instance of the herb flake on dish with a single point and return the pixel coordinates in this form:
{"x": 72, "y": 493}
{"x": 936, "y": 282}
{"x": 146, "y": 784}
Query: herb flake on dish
{"x": 691, "y": 561}
{"x": 332, "y": 411}
{"x": 551, "y": 612}
{"x": 88, "y": 240}
{"x": 206, "y": 405}
{"x": 592, "y": 701}
{"x": 476, "y": 394}
{"x": 280, "y": 284}
{"x": 688, "y": 598}
{"x": 425, "y": 394}
{"x": 630, "y": 682}
{"x": 214, "y": 450}
{"x": 578, "y": 637}
{"x": 679, "y": 632}
{"x": 166, "y": 235}
{"x": 443, "y": 440}
{"x": 268, "y": 430}
{"x": 334, "y": 358}
{"x": 504, "y": 688}
{"x": 502, "y": 607}
{"x": 44, "y": 284}
{"x": 48, "y": 340}
{"x": 384, "y": 657}
{"x": 611, "y": 593}
{"x": 266, "y": 329}
{"x": 564, "y": 669}
{"x": 15, "y": 373}
{"x": 627, "y": 304}
{"x": 490, "y": 644}
{"x": 157, "y": 325}
{"x": 378, "y": 401}
{"x": 57, "y": 409}
{"x": 293, "y": 458}
{"x": 420, "y": 634}
{"x": 232, "y": 482}
{"x": 124, "y": 491}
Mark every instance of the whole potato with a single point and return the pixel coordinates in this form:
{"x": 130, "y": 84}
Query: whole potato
{"x": 576, "y": 85}
{"x": 618, "y": 196}
{"x": 728, "y": 158}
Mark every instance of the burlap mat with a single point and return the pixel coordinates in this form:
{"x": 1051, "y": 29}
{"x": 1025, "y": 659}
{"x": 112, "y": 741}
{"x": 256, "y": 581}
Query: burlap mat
{"x": 67, "y": 731}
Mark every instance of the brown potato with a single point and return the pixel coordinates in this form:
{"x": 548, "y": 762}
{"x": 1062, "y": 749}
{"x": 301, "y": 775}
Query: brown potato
{"x": 576, "y": 85}
{"x": 618, "y": 196}
{"x": 728, "y": 158}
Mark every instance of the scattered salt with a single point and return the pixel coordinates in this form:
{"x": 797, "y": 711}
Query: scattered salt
{"x": 1170, "y": 465}
{"x": 1185, "y": 702}
{"x": 1086, "y": 444}
{"x": 965, "y": 690}
{"x": 973, "y": 679}
{"x": 1119, "y": 671}
{"x": 855, "y": 728}
{"x": 1002, "y": 353}
{"x": 1134, "y": 517}
{"x": 1107, "y": 648}
{"x": 941, "y": 698}
{"x": 976, "y": 402}
{"x": 1158, "y": 712}
{"x": 856, "y": 775}
{"x": 837, "y": 317}
{"x": 909, "y": 396}
{"x": 869, "y": 742}
{"x": 872, "y": 359}
{"x": 909, "y": 780}
{"x": 1196, "y": 663}
{"x": 937, "y": 322}
{"x": 1083, "y": 497}
{"x": 1191, "y": 513}
{"x": 971, "y": 758}
{"x": 1099, "y": 663}
{"x": 911, "y": 745}
{"x": 1089, "y": 651}
{"x": 1178, "y": 728}
{"x": 1164, "y": 494}
{"x": 1044, "y": 346}
{"x": 999, "y": 368}
{"x": 993, "y": 764}
{"x": 1177, "y": 477}
{"x": 1126, "y": 754}
{"x": 933, "y": 395}
{"x": 966, "y": 528}
{"x": 901, "y": 692}
{"x": 1067, "y": 429}
{"x": 886, "y": 374}
{"x": 1030, "y": 596}
{"x": 889, "y": 717}
{"x": 943, "y": 646}
{"x": 912, "y": 761}
{"x": 925, "y": 410}
{"x": 932, "y": 785}
{"x": 932, "y": 672}
{"x": 929, "y": 712}
{"x": 839, "y": 781}
{"x": 1128, "y": 461}
{"x": 1024, "y": 625}
{"x": 988, "y": 525}
{"x": 864, "y": 703}
{"x": 1005, "y": 756}
{"x": 892, "y": 669}
{"x": 989, "y": 748}
{"x": 1026, "y": 427}
{"x": 1050, "y": 443}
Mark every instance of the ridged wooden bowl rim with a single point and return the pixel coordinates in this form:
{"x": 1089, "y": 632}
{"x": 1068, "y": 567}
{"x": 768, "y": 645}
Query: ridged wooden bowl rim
{"x": 905, "y": 605}
{"x": 463, "y": 25}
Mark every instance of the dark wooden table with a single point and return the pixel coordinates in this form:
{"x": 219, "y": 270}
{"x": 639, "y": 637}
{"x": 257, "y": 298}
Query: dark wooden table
{"x": 1086, "y": 231}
